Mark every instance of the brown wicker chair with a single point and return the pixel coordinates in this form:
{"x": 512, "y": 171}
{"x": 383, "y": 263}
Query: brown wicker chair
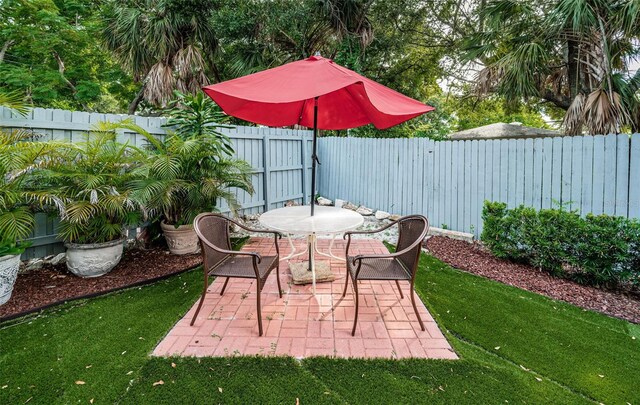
{"x": 401, "y": 265}
{"x": 220, "y": 261}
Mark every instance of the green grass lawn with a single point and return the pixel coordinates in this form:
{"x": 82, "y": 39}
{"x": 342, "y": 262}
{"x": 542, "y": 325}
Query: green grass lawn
{"x": 515, "y": 347}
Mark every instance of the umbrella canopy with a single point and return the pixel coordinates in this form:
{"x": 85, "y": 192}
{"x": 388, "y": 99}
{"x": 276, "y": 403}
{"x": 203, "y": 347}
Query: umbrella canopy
{"x": 284, "y": 96}
{"x": 316, "y": 93}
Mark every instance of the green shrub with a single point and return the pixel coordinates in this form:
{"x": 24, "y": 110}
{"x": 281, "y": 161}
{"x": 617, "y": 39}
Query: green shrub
{"x": 599, "y": 250}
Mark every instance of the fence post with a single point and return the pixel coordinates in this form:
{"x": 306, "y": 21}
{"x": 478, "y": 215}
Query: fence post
{"x": 267, "y": 165}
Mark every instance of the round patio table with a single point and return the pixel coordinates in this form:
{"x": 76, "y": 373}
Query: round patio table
{"x": 298, "y": 221}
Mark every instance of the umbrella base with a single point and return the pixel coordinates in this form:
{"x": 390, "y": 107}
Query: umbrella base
{"x": 302, "y": 275}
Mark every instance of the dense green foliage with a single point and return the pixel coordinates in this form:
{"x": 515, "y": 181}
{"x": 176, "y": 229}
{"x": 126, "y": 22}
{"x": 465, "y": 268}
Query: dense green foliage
{"x": 571, "y": 60}
{"x": 596, "y": 249}
{"x": 513, "y": 345}
{"x": 51, "y": 52}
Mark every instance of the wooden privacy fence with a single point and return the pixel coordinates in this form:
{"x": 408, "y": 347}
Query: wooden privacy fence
{"x": 279, "y": 157}
{"x": 448, "y": 181}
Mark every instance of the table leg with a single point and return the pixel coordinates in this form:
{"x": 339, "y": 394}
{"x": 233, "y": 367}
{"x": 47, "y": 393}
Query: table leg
{"x": 293, "y": 250}
{"x": 330, "y": 254}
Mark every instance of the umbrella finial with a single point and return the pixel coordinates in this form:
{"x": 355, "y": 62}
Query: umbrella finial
{"x": 317, "y": 54}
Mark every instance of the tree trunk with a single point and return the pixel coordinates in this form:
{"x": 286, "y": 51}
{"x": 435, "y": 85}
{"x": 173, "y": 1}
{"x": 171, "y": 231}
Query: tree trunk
{"x": 4, "y": 49}
{"x": 61, "y": 70}
{"x": 573, "y": 52}
{"x": 136, "y": 101}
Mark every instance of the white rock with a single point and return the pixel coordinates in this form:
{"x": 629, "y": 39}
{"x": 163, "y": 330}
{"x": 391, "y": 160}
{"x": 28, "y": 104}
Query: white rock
{"x": 324, "y": 201}
{"x": 394, "y": 217}
{"x": 349, "y": 206}
{"x": 364, "y": 211}
{"x": 380, "y": 215}
{"x": 59, "y": 258}
{"x": 339, "y": 203}
{"x": 34, "y": 264}
{"x": 467, "y": 237}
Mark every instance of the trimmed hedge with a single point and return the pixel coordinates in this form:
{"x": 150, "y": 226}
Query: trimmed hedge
{"x": 599, "y": 250}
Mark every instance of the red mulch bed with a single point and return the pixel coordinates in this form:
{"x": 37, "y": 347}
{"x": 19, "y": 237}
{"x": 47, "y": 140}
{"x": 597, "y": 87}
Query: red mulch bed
{"x": 50, "y": 285}
{"x": 474, "y": 258}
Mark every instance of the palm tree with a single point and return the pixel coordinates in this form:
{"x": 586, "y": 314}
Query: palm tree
{"x": 19, "y": 156}
{"x": 574, "y": 54}
{"x": 182, "y": 177}
{"x": 166, "y": 44}
{"x": 349, "y": 18}
{"x": 92, "y": 178}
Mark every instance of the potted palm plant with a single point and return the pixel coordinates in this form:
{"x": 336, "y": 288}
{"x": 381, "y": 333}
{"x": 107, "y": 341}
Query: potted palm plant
{"x": 92, "y": 178}
{"x": 16, "y": 217}
{"x": 17, "y": 155}
{"x": 188, "y": 172}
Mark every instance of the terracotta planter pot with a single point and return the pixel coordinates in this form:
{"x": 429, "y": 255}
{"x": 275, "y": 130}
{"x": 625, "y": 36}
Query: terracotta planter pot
{"x": 93, "y": 259}
{"x": 9, "y": 266}
{"x": 182, "y": 240}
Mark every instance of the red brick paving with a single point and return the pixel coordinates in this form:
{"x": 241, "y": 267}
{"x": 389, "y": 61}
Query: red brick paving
{"x": 303, "y": 325}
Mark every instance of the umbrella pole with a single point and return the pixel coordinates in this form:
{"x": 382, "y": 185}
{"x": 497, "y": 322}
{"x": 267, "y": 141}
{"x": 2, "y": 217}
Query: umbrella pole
{"x": 314, "y": 161}
{"x": 314, "y": 156}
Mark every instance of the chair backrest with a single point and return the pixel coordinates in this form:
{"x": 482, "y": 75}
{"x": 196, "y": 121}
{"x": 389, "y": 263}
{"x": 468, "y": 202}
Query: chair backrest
{"x": 411, "y": 229}
{"x": 213, "y": 228}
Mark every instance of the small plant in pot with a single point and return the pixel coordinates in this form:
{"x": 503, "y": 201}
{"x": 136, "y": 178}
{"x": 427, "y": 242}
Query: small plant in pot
{"x": 93, "y": 178}
{"x": 187, "y": 173}
{"x": 16, "y": 216}
{"x": 17, "y": 157}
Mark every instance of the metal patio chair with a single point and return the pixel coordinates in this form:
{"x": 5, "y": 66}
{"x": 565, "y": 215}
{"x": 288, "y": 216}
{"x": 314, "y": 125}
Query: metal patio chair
{"x": 401, "y": 265}
{"x": 220, "y": 261}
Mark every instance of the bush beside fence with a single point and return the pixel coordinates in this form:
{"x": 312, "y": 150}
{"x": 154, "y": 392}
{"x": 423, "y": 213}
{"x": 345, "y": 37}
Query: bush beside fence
{"x": 600, "y": 250}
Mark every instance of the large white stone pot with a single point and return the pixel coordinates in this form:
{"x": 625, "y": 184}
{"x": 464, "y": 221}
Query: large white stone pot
{"x": 9, "y": 266}
{"x": 182, "y": 240}
{"x": 93, "y": 259}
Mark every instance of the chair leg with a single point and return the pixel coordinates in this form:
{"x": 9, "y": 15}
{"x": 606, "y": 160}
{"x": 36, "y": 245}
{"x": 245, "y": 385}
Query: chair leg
{"x": 399, "y": 289}
{"x": 346, "y": 283}
{"x": 278, "y": 278}
{"x": 259, "y": 290}
{"x": 415, "y": 308}
{"x": 204, "y": 292}
{"x": 355, "y": 319}
{"x": 224, "y": 286}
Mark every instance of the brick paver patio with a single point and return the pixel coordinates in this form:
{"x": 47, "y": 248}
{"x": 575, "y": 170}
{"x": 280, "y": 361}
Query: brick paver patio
{"x": 303, "y": 325}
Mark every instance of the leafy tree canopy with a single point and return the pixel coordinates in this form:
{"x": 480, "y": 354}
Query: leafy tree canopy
{"x": 51, "y": 52}
{"x": 503, "y": 60}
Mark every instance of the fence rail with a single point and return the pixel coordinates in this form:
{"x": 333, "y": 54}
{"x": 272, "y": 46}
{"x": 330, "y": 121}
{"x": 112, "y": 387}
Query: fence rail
{"x": 280, "y": 159}
{"x": 448, "y": 181}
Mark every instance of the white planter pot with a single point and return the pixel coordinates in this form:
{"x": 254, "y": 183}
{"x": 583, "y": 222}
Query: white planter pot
{"x": 182, "y": 240}
{"x": 9, "y": 266}
{"x": 93, "y": 259}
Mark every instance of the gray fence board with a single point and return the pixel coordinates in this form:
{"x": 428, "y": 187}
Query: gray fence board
{"x": 448, "y": 181}
{"x": 279, "y": 158}
{"x": 634, "y": 177}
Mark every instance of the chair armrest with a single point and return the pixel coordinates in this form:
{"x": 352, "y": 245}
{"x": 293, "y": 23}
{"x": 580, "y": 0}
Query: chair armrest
{"x": 255, "y": 255}
{"x": 349, "y": 233}
{"x": 388, "y": 255}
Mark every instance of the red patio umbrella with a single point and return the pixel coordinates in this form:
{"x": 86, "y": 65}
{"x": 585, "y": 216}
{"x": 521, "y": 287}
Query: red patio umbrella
{"x": 316, "y": 93}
